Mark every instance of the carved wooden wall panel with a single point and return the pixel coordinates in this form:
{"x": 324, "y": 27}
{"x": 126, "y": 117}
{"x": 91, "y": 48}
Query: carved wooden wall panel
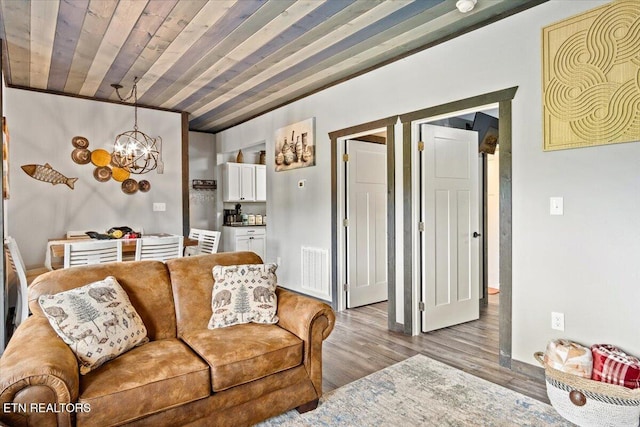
{"x": 591, "y": 78}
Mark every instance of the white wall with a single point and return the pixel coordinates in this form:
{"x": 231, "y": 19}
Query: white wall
{"x": 202, "y": 165}
{"x": 583, "y": 264}
{"x": 42, "y": 126}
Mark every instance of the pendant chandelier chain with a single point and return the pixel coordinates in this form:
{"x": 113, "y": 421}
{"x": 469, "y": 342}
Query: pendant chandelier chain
{"x": 134, "y": 94}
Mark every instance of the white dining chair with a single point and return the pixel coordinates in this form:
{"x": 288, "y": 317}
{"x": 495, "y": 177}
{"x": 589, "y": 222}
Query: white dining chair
{"x": 84, "y": 252}
{"x": 208, "y": 241}
{"x": 159, "y": 248}
{"x": 17, "y": 265}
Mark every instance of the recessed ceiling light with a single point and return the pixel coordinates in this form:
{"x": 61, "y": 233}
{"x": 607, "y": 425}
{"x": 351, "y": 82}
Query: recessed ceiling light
{"x": 465, "y": 6}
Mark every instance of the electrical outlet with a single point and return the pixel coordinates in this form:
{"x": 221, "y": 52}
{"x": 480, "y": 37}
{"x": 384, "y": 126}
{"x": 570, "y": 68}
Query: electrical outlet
{"x": 557, "y": 321}
{"x": 159, "y": 207}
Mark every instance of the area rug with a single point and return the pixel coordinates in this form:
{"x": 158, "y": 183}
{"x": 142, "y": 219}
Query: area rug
{"x": 420, "y": 391}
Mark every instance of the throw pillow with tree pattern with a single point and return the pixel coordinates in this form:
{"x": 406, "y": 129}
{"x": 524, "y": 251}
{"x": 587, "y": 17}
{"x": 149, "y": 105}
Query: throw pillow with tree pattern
{"x": 244, "y": 294}
{"x": 97, "y": 321}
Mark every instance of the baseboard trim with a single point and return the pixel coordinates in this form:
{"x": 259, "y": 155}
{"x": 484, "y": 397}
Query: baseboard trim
{"x": 397, "y": 327}
{"x": 527, "y": 369}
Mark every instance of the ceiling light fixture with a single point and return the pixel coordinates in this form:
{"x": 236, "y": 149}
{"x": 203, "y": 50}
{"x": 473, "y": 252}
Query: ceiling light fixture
{"x": 465, "y": 6}
{"x": 134, "y": 150}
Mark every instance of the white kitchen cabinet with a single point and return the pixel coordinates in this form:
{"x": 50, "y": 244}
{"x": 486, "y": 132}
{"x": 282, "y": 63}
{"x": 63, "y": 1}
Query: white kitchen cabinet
{"x": 245, "y": 239}
{"x": 239, "y": 182}
{"x": 261, "y": 183}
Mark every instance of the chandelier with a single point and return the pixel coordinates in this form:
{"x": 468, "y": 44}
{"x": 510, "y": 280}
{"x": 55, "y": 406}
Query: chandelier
{"x": 134, "y": 150}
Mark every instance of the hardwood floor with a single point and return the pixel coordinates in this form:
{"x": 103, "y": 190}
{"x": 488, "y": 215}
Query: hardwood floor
{"x": 361, "y": 344}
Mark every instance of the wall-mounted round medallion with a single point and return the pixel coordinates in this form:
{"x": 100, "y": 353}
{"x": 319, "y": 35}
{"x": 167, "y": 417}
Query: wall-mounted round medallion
{"x": 80, "y": 142}
{"x": 102, "y": 173}
{"x": 81, "y": 156}
{"x": 120, "y": 174}
{"x": 129, "y": 186}
{"x": 100, "y": 157}
{"x": 144, "y": 186}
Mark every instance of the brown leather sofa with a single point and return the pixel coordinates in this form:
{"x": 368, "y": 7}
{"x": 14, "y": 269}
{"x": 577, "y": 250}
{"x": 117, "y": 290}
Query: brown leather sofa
{"x": 186, "y": 374}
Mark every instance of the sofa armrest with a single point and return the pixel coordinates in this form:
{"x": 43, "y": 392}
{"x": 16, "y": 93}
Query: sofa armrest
{"x": 310, "y": 320}
{"x": 38, "y": 374}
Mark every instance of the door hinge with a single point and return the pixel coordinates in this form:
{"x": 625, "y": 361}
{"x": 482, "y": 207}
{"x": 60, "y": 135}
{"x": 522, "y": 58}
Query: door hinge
{"x": 421, "y": 226}
{"x": 345, "y": 287}
{"x": 420, "y": 146}
{"x": 421, "y": 306}
{"x": 345, "y": 157}
{"x": 345, "y": 222}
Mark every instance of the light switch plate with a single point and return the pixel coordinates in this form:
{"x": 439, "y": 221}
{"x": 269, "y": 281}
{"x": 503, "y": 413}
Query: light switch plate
{"x": 556, "y": 206}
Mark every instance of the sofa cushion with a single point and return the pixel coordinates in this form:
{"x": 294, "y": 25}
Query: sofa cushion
{"x": 97, "y": 321}
{"x": 242, "y": 294}
{"x": 146, "y": 380}
{"x": 243, "y": 353}
{"x": 192, "y": 284}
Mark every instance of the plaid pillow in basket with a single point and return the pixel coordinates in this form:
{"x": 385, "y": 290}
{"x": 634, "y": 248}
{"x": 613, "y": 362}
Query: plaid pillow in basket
{"x": 612, "y": 365}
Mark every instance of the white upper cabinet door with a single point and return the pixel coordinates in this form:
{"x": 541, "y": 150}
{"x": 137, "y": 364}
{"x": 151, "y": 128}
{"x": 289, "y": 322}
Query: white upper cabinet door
{"x": 239, "y": 182}
{"x": 261, "y": 183}
{"x": 248, "y": 182}
{"x": 231, "y": 182}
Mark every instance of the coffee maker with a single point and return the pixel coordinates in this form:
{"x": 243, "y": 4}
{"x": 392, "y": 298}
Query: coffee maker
{"x": 232, "y": 216}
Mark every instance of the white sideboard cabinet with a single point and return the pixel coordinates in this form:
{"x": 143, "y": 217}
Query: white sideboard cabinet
{"x": 245, "y": 239}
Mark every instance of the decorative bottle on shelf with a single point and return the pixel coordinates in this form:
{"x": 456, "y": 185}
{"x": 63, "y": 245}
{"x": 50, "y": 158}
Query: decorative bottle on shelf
{"x": 263, "y": 157}
{"x": 240, "y": 157}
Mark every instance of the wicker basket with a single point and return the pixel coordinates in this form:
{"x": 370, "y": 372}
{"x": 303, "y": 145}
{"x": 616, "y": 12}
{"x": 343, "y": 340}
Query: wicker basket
{"x": 590, "y": 403}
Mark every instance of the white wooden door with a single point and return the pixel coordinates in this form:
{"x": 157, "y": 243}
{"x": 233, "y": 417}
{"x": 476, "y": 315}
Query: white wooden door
{"x": 367, "y": 230}
{"x": 450, "y": 212}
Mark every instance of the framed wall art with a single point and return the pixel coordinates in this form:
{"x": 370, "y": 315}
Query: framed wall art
{"x": 295, "y": 146}
{"x": 590, "y": 78}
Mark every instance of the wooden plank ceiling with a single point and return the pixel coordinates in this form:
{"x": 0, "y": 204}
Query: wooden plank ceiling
{"x": 223, "y": 61}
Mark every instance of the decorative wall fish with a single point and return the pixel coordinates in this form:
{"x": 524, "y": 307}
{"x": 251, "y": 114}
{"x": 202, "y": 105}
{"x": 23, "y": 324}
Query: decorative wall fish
{"x": 47, "y": 174}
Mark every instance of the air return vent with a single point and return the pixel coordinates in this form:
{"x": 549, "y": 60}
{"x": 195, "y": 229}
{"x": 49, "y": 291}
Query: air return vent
{"x": 315, "y": 272}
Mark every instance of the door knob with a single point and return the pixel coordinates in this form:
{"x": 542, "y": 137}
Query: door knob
{"x": 476, "y": 234}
